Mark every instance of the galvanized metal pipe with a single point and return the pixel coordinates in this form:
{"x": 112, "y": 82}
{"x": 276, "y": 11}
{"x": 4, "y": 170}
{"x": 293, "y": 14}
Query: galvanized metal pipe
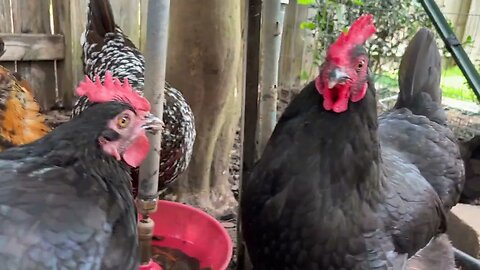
{"x": 465, "y": 261}
{"x": 273, "y": 15}
{"x": 155, "y": 67}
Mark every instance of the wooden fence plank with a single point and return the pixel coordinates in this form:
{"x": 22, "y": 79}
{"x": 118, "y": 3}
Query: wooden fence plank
{"x": 6, "y": 27}
{"x": 292, "y": 46}
{"x": 309, "y": 66}
{"x": 31, "y": 16}
{"x": 24, "y": 47}
{"x": 62, "y": 25}
{"x": 126, "y": 14}
{"x": 5, "y": 16}
{"x": 78, "y": 21}
{"x": 143, "y": 25}
{"x": 34, "y": 17}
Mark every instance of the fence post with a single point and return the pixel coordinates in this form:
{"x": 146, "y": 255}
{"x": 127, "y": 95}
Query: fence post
{"x": 62, "y": 25}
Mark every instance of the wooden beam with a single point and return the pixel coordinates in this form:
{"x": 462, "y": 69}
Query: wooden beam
{"x": 78, "y": 20}
{"x": 32, "y": 47}
{"x": 250, "y": 115}
{"x": 62, "y": 24}
{"x": 251, "y": 87}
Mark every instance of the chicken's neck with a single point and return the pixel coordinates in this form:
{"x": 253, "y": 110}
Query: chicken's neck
{"x": 351, "y": 150}
{"x": 104, "y": 169}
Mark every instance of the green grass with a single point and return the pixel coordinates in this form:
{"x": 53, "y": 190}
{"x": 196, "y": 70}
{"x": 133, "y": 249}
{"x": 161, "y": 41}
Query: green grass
{"x": 453, "y": 84}
{"x": 387, "y": 80}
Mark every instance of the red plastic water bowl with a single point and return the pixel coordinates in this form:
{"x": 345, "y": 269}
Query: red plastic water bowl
{"x": 194, "y": 232}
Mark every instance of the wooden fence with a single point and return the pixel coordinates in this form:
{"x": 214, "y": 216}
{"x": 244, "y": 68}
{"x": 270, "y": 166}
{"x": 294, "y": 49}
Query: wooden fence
{"x": 296, "y": 65}
{"x": 42, "y": 42}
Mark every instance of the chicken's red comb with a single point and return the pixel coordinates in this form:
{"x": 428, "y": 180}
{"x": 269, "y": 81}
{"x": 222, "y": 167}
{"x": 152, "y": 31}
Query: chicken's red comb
{"x": 361, "y": 29}
{"x": 112, "y": 90}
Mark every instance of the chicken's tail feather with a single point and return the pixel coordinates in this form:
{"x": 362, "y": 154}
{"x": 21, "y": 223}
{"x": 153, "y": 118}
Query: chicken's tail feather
{"x": 419, "y": 77}
{"x": 100, "y": 17}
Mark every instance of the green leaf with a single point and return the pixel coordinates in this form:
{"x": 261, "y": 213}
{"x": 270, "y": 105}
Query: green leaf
{"x": 304, "y": 75}
{"x": 307, "y": 25}
{"x": 306, "y": 2}
{"x": 469, "y": 39}
{"x": 358, "y": 2}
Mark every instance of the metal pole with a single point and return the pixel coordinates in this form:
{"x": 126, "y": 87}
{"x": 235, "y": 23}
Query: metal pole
{"x": 453, "y": 45}
{"x": 155, "y": 66}
{"x": 272, "y": 27}
{"x": 465, "y": 261}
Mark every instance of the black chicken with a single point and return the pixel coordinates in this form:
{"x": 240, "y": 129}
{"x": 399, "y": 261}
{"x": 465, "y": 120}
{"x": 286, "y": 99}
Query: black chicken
{"x": 339, "y": 188}
{"x": 65, "y": 199}
{"x": 471, "y": 155}
{"x": 105, "y": 47}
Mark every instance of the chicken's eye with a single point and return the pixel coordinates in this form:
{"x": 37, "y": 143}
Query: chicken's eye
{"x": 123, "y": 121}
{"x": 360, "y": 65}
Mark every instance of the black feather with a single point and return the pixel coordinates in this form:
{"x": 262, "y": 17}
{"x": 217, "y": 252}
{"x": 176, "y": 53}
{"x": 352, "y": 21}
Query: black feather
{"x": 471, "y": 154}
{"x": 417, "y": 126}
{"x": 100, "y": 17}
{"x": 419, "y": 78}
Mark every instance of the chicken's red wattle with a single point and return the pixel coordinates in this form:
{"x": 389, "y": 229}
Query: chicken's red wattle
{"x": 360, "y": 95}
{"x": 335, "y": 99}
{"x": 137, "y": 152}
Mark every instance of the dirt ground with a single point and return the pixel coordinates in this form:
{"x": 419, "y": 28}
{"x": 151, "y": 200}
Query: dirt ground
{"x": 464, "y": 125}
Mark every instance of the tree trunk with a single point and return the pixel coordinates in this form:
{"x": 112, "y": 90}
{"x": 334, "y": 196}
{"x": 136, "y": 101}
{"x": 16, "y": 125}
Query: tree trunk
{"x": 203, "y": 63}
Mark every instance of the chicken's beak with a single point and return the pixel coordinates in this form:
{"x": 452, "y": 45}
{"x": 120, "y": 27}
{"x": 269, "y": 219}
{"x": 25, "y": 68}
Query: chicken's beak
{"x": 152, "y": 123}
{"x": 337, "y": 76}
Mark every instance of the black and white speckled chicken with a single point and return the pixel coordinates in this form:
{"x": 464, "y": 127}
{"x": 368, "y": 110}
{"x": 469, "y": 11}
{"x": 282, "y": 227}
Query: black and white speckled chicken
{"x": 105, "y": 47}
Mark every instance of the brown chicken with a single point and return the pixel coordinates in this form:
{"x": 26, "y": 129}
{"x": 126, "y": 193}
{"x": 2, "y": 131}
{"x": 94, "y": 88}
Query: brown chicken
{"x": 21, "y": 121}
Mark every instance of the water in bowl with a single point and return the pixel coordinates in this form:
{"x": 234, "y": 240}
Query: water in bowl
{"x": 171, "y": 254}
